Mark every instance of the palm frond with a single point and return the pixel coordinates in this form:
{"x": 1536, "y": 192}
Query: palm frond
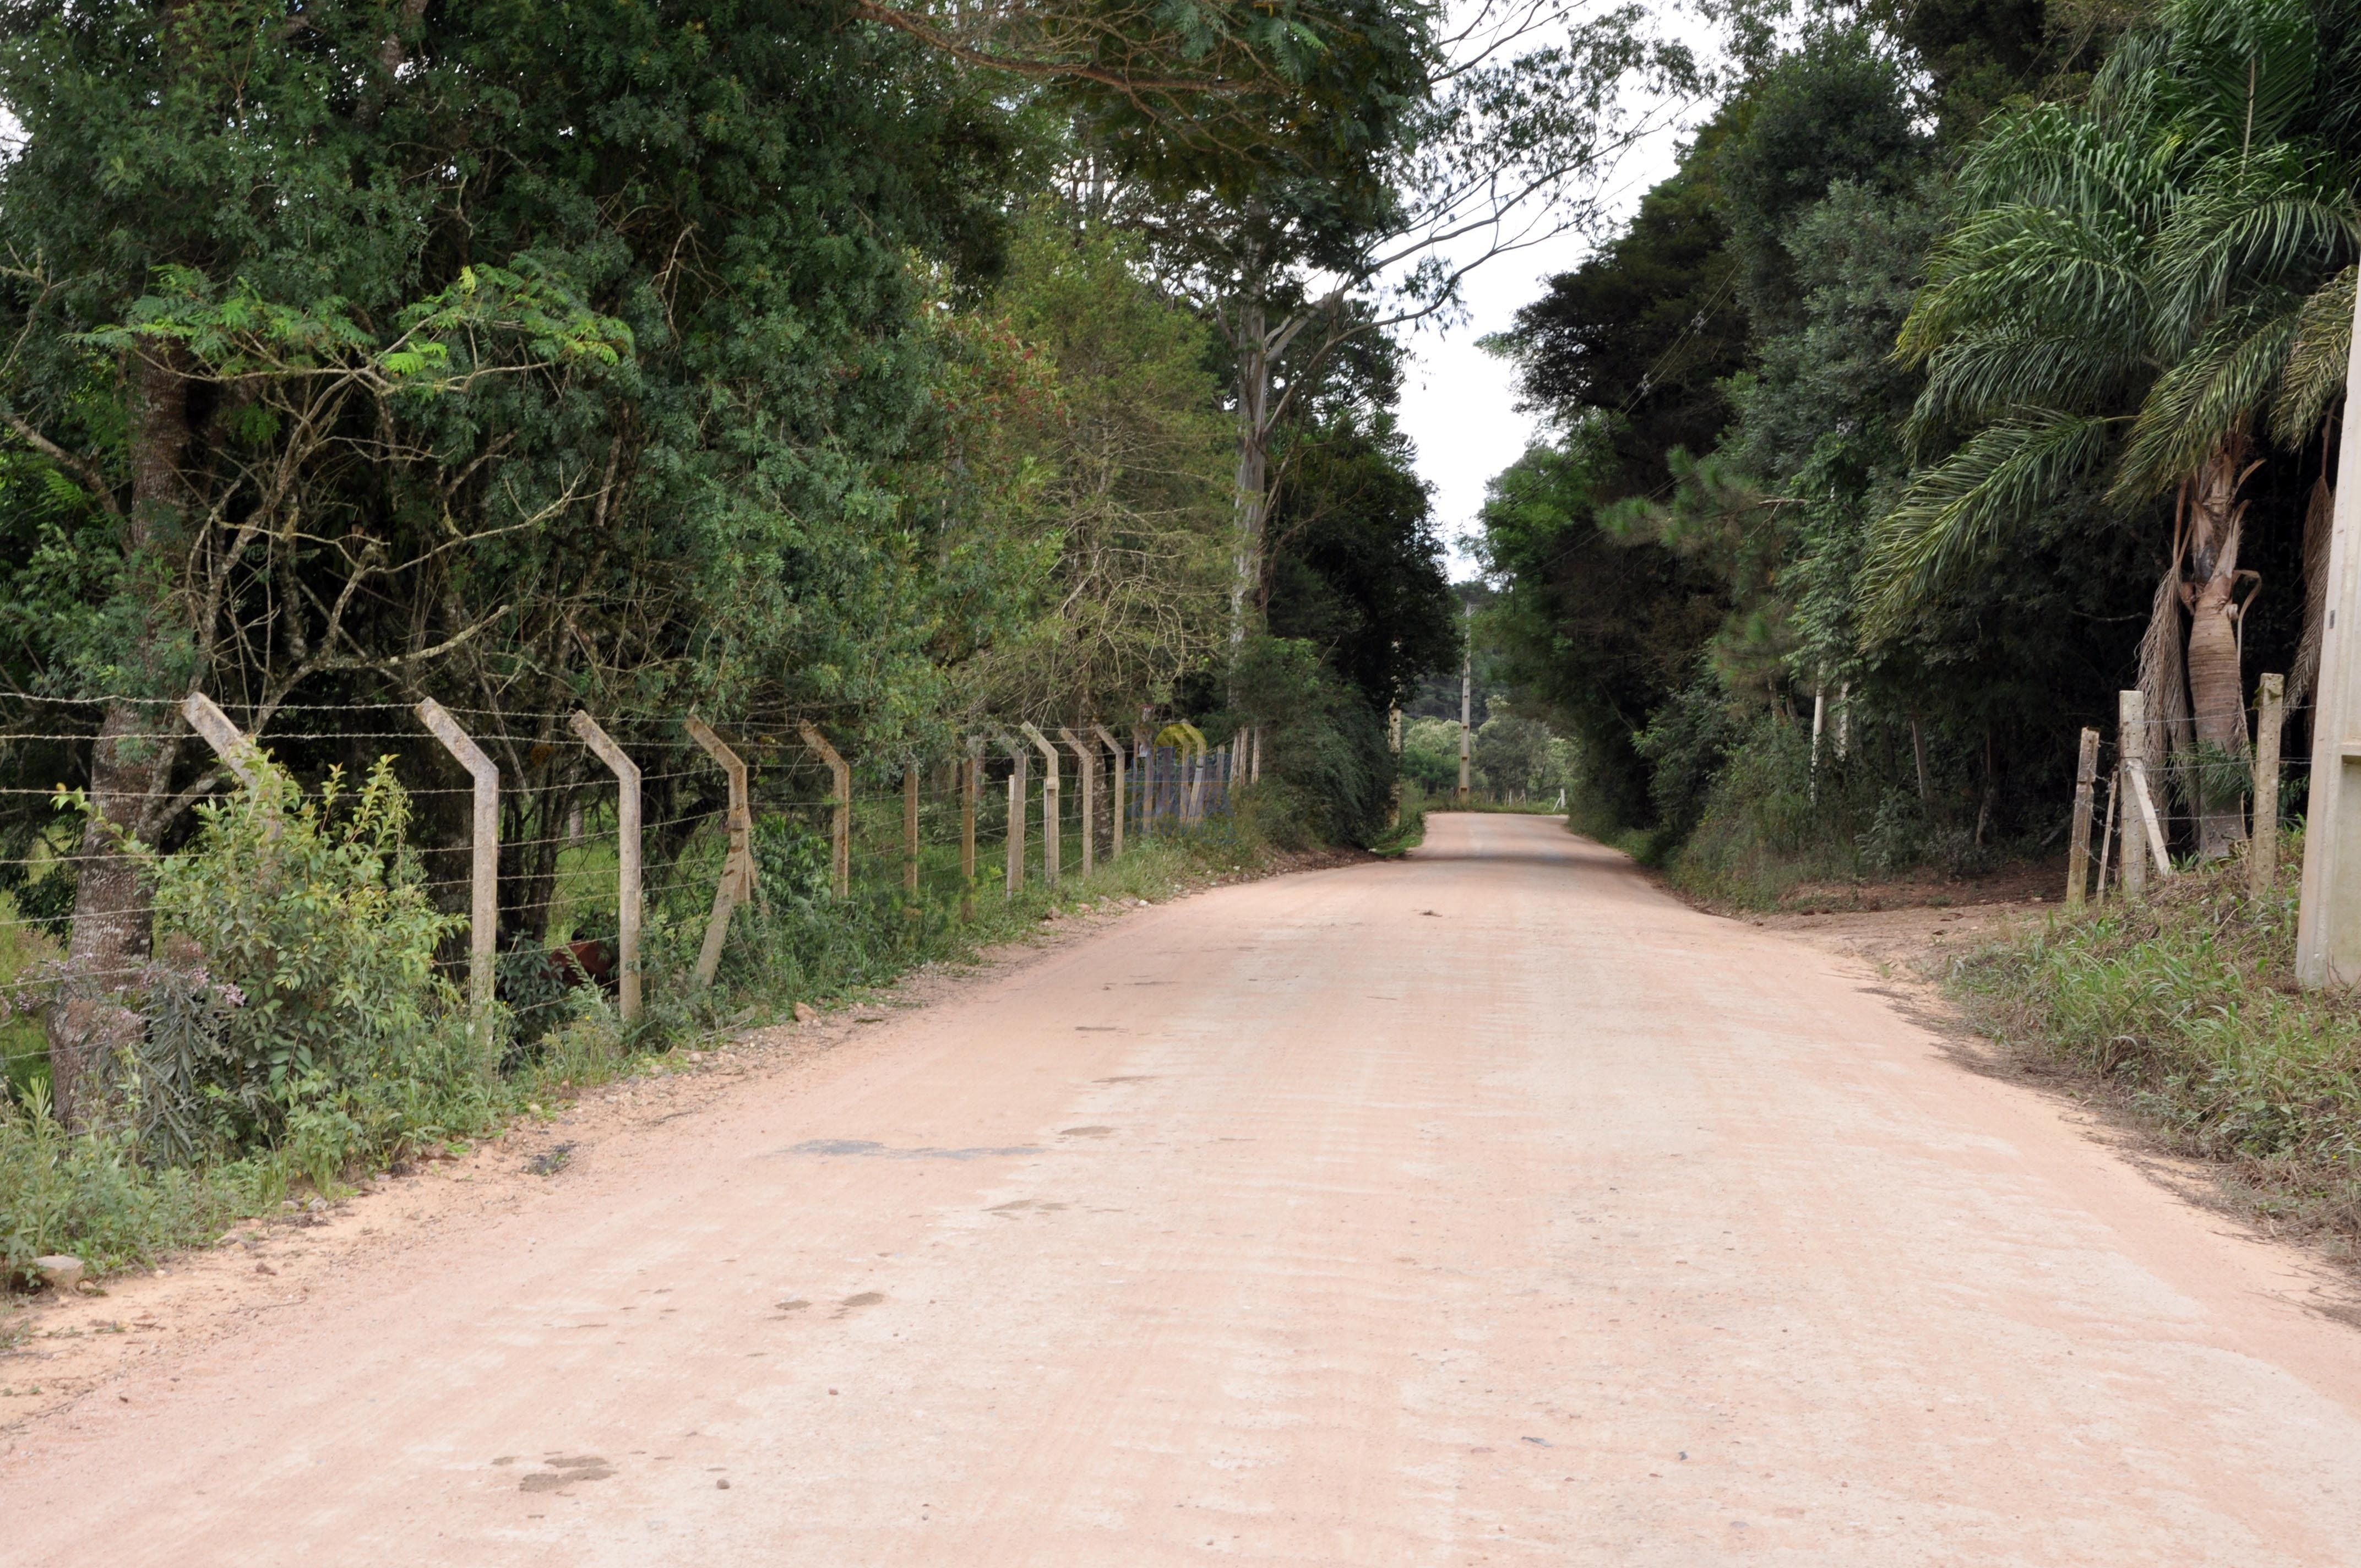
{"x": 2313, "y": 377}
{"x": 2034, "y": 269}
{"x": 1955, "y": 512}
{"x": 2319, "y": 523}
{"x": 2123, "y": 92}
{"x": 2277, "y": 218}
{"x": 2242, "y": 68}
{"x": 2071, "y": 160}
{"x": 2211, "y": 393}
{"x": 1984, "y": 376}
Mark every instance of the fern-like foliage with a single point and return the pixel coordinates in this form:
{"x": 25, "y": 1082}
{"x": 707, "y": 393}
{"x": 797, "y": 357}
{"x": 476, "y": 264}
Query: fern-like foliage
{"x": 2133, "y": 282}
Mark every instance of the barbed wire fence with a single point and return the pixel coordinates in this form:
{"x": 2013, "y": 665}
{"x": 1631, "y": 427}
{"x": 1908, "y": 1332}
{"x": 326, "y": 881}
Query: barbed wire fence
{"x": 2152, "y": 797}
{"x": 593, "y": 876}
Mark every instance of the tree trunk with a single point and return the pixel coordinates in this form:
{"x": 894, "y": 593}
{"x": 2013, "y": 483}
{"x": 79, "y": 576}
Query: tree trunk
{"x": 1254, "y": 459}
{"x": 130, "y": 768}
{"x": 2217, "y": 688}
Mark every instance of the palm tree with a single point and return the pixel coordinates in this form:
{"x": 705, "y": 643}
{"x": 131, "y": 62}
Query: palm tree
{"x": 2136, "y": 282}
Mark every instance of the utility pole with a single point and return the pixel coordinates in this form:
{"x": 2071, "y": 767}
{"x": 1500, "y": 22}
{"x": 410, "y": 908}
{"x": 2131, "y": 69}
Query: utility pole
{"x": 2328, "y": 927}
{"x": 1466, "y": 705}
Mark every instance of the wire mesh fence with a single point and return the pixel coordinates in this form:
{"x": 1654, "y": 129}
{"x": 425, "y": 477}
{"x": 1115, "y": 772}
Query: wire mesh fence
{"x": 2159, "y": 794}
{"x": 823, "y": 841}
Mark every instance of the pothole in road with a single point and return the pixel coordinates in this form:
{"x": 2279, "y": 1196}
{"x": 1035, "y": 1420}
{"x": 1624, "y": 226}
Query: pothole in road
{"x": 566, "y": 1470}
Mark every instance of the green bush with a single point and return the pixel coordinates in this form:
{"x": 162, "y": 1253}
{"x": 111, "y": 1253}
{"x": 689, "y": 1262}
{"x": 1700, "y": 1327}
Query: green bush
{"x": 298, "y": 1003}
{"x": 1329, "y": 775}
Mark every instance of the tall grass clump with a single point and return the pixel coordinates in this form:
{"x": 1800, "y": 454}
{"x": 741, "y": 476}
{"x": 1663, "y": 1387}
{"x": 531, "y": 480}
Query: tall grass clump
{"x": 2184, "y": 1005}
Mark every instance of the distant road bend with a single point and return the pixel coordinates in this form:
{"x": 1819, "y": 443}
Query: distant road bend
{"x": 1485, "y": 1207}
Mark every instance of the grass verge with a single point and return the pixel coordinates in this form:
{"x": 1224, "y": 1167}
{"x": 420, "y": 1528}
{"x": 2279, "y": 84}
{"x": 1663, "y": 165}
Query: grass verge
{"x": 2182, "y": 1010}
{"x": 98, "y": 1198}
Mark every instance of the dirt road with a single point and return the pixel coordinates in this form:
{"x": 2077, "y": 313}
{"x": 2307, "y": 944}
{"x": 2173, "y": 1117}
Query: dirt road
{"x": 1485, "y": 1207}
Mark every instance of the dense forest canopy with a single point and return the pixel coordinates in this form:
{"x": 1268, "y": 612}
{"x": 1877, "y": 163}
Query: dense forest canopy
{"x": 1976, "y": 363}
{"x": 893, "y": 366}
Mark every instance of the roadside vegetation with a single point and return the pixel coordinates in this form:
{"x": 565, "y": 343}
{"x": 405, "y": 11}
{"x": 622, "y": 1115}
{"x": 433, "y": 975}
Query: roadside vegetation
{"x": 1974, "y": 365}
{"x": 2182, "y": 1009}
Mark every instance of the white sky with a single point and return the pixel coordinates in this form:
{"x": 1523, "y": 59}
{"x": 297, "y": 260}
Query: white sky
{"x": 1457, "y": 404}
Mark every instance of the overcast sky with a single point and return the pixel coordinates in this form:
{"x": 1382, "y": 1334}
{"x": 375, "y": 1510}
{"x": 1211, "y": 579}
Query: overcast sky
{"x": 1458, "y": 405}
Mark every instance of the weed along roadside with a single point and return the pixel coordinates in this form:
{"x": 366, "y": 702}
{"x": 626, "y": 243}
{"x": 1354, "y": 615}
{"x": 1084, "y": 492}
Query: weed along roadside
{"x": 306, "y": 1024}
{"x": 2180, "y": 1012}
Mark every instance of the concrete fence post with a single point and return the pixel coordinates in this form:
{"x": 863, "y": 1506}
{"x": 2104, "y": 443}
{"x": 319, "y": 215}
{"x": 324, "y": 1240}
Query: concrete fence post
{"x": 229, "y": 742}
{"x": 736, "y": 884}
{"x": 1052, "y": 826}
{"x": 2263, "y": 843}
{"x": 1086, "y": 767}
{"x": 2143, "y": 814}
{"x": 1021, "y": 756}
{"x": 2131, "y": 740}
{"x": 483, "y": 873}
{"x": 2328, "y": 920}
{"x": 841, "y": 824}
{"x": 1115, "y": 814}
{"x": 627, "y": 858}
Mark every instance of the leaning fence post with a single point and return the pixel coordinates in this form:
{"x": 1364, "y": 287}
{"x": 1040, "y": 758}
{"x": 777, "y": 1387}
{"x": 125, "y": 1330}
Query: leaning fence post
{"x": 228, "y": 742}
{"x": 1086, "y": 767}
{"x": 1016, "y": 793}
{"x": 2147, "y": 805}
{"x": 840, "y": 835}
{"x": 1051, "y": 829}
{"x": 1115, "y": 816}
{"x": 2078, "y": 864}
{"x": 910, "y": 830}
{"x": 737, "y": 883}
{"x": 627, "y": 855}
{"x": 484, "y": 874}
{"x": 2263, "y": 845}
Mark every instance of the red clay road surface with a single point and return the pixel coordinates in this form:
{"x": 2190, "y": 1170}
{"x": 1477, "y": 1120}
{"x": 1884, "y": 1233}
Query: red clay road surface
{"x": 1487, "y": 1206}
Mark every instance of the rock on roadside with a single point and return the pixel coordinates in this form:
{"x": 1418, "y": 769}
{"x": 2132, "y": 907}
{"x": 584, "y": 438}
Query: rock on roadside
{"x": 60, "y": 1273}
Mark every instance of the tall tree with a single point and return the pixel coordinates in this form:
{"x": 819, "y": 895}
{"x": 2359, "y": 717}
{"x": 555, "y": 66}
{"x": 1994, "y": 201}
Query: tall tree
{"x": 2133, "y": 284}
{"x": 392, "y": 349}
{"x": 1471, "y": 143}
